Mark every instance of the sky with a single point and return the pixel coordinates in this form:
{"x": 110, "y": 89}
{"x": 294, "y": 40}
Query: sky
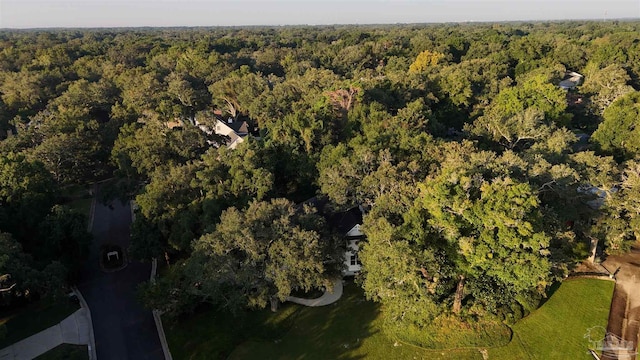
{"x": 121, "y": 13}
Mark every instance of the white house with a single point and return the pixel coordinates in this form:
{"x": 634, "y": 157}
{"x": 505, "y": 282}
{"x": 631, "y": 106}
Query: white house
{"x": 599, "y": 195}
{"x": 234, "y": 130}
{"x": 347, "y": 223}
{"x": 351, "y": 260}
{"x": 571, "y": 80}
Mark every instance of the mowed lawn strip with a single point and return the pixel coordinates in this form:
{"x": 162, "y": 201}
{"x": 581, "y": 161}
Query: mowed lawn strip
{"x": 352, "y": 329}
{"x": 213, "y": 334}
{"x": 557, "y": 329}
{"x": 83, "y": 206}
{"x": 348, "y": 329}
{"x": 66, "y": 352}
{"x": 32, "y": 319}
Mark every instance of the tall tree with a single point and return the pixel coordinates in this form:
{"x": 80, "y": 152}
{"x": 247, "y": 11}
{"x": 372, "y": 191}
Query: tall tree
{"x": 619, "y": 224}
{"x": 619, "y": 133}
{"x": 267, "y": 251}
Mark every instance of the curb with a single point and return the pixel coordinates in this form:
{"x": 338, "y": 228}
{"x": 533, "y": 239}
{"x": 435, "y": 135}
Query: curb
{"x": 163, "y": 339}
{"x": 92, "y": 210}
{"x": 92, "y": 340}
{"x": 157, "y": 318}
{"x": 83, "y": 302}
{"x": 133, "y": 206}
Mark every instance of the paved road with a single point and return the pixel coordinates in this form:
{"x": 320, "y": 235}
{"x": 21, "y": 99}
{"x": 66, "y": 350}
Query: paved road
{"x": 123, "y": 328}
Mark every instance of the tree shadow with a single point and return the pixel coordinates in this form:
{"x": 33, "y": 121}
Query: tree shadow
{"x": 552, "y": 290}
{"x": 336, "y": 331}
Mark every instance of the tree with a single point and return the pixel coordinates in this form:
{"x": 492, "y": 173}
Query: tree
{"x": 517, "y": 131}
{"x": 619, "y": 224}
{"x": 425, "y": 60}
{"x": 236, "y": 93}
{"x": 605, "y": 85}
{"x": 495, "y": 229}
{"x": 143, "y": 147}
{"x": 180, "y": 202}
{"x": 170, "y": 204}
{"x": 26, "y": 195}
{"x": 537, "y": 90}
{"x": 619, "y": 133}
{"x": 20, "y": 278}
{"x": 469, "y": 241}
{"x": 71, "y": 157}
{"x": 268, "y": 250}
{"x": 22, "y": 91}
{"x": 64, "y": 237}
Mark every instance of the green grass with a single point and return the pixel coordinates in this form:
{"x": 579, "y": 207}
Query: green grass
{"x": 352, "y": 329}
{"x": 446, "y": 332}
{"x": 78, "y": 198}
{"x": 82, "y": 206}
{"x": 32, "y": 319}
{"x": 211, "y": 334}
{"x": 557, "y": 329}
{"x": 348, "y": 329}
{"x": 66, "y": 352}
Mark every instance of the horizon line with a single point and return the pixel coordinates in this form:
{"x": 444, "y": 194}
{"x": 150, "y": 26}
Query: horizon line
{"x": 319, "y": 25}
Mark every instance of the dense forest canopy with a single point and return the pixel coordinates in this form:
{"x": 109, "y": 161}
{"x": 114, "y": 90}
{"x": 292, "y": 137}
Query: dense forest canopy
{"x": 482, "y": 180}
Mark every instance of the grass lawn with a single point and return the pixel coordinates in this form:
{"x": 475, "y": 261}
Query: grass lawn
{"x": 352, "y": 329}
{"x": 32, "y": 319}
{"x": 348, "y": 329}
{"x": 82, "y": 206}
{"x": 557, "y": 329}
{"x": 78, "y": 198}
{"x": 66, "y": 352}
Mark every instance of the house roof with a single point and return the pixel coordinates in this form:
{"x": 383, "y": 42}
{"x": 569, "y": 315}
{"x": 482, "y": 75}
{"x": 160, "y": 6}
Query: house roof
{"x": 342, "y": 221}
{"x": 240, "y": 127}
{"x": 600, "y": 195}
{"x": 345, "y": 221}
{"x": 571, "y": 79}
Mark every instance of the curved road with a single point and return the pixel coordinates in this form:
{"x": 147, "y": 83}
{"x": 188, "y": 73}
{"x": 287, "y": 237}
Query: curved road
{"x": 123, "y": 328}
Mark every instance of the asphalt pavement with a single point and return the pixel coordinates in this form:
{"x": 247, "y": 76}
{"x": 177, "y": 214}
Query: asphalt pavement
{"x": 123, "y": 329}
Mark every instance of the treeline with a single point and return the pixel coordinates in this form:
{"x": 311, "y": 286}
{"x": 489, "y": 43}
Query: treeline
{"x": 483, "y": 181}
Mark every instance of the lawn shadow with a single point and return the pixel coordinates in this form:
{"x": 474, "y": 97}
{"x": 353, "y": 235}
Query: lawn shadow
{"x": 552, "y": 290}
{"x": 336, "y": 331}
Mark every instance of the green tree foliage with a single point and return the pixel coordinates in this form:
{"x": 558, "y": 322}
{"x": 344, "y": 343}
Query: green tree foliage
{"x": 463, "y": 234}
{"x": 21, "y": 276}
{"x": 143, "y": 147}
{"x": 425, "y": 60}
{"x": 619, "y": 133}
{"x": 536, "y": 90}
{"x": 357, "y": 114}
{"x": 605, "y": 85}
{"x": 181, "y": 201}
{"x": 267, "y": 251}
{"x": 493, "y": 227}
{"x": 235, "y": 94}
{"x": 619, "y": 224}
{"x": 26, "y": 195}
{"x": 64, "y": 237}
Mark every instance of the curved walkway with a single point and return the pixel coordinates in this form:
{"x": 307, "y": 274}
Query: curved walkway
{"x": 326, "y": 299}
